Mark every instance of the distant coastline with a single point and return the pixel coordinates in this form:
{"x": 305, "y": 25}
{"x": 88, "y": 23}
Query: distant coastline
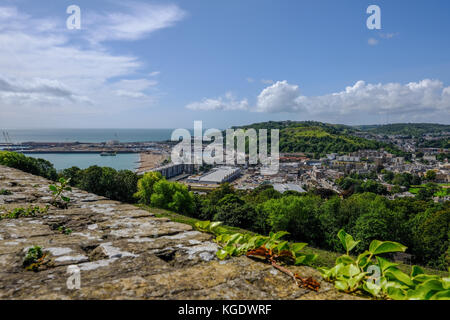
{"x": 85, "y": 135}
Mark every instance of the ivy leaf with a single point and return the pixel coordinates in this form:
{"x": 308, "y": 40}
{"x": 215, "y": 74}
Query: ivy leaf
{"x": 385, "y": 264}
{"x": 347, "y": 240}
{"x": 214, "y": 225}
{"x": 396, "y": 293}
{"x": 378, "y": 247}
{"x": 325, "y": 272}
{"x": 400, "y": 276}
{"x": 362, "y": 259}
{"x": 202, "y": 225}
{"x": 234, "y": 238}
{"x": 424, "y": 278}
{"x": 446, "y": 283}
{"x": 341, "y": 285}
{"x": 297, "y": 247}
{"x": 442, "y": 295}
{"x": 283, "y": 246}
{"x": 350, "y": 270}
{"x": 305, "y": 259}
{"x": 416, "y": 270}
{"x": 354, "y": 281}
{"x": 278, "y": 235}
{"x": 371, "y": 288}
{"x": 433, "y": 284}
{"x": 345, "y": 259}
{"x": 222, "y": 254}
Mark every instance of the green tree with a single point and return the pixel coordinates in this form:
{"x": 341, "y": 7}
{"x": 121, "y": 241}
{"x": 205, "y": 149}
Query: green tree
{"x": 145, "y": 186}
{"x": 432, "y": 239}
{"x": 388, "y": 176}
{"x": 73, "y": 173}
{"x": 428, "y": 191}
{"x": 233, "y": 211}
{"x": 31, "y": 165}
{"x": 430, "y": 175}
{"x": 297, "y": 215}
{"x": 172, "y": 196}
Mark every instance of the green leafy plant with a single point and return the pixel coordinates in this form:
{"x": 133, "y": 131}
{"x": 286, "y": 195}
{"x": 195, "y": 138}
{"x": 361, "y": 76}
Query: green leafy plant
{"x": 31, "y": 211}
{"x": 59, "y": 200}
{"x": 33, "y": 259}
{"x": 5, "y": 192}
{"x": 380, "y": 277}
{"x": 64, "y": 230}
{"x": 236, "y": 244}
{"x": 270, "y": 249}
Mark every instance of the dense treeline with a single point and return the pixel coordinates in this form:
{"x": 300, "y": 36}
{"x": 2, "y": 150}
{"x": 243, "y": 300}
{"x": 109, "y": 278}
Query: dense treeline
{"x": 120, "y": 185}
{"x": 406, "y": 129}
{"x": 443, "y": 156}
{"x": 422, "y": 225}
{"x": 440, "y": 143}
{"x": 39, "y": 167}
{"x": 117, "y": 185}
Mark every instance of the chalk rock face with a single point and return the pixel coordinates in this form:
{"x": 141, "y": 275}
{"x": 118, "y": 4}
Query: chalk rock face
{"x": 119, "y": 251}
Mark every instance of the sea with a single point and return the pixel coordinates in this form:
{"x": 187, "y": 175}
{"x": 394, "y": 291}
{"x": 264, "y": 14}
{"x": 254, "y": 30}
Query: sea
{"x": 122, "y": 161}
{"x": 66, "y": 160}
{"x": 86, "y": 135}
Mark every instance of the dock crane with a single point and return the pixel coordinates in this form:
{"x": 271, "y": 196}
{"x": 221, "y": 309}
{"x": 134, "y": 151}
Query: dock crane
{"x": 6, "y": 137}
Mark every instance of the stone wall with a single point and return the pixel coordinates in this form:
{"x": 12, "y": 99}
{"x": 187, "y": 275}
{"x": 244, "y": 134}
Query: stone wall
{"x": 123, "y": 252}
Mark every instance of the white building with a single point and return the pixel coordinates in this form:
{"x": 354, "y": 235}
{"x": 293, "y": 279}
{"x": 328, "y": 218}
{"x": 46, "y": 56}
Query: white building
{"x": 217, "y": 176}
{"x": 282, "y": 188}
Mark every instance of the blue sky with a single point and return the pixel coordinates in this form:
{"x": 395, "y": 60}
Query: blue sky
{"x": 164, "y": 64}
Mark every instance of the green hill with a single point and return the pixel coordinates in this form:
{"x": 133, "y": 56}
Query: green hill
{"x": 319, "y": 138}
{"x": 406, "y": 129}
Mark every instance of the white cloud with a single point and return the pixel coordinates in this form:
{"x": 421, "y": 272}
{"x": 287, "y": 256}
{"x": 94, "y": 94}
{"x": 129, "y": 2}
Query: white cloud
{"x": 280, "y": 96}
{"x": 47, "y": 72}
{"x": 133, "y": 88}
{"x": 426, "y": 98}
{"x": 227, "y": 103}
{"x": 266, "y": 81}
{"x": 36, "y": 90}
{"x": 372, "y": 41}
{"x": 136, "y": 21}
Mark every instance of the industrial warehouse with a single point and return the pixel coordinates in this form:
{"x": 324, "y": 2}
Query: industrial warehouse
{"x": 217, "y": 176}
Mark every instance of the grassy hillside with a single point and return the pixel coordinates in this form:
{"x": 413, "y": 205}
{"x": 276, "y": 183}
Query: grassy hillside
{"x": 407, "y": 129}
{"x": 317, "y": 137}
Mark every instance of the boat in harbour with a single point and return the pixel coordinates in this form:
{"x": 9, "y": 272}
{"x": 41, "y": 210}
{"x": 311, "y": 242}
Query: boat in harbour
{"x": 108, "y": 154}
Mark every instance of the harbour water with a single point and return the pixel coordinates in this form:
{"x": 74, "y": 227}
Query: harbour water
{"x": 66, "y": 160}
{"x": 122, "y": 161}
